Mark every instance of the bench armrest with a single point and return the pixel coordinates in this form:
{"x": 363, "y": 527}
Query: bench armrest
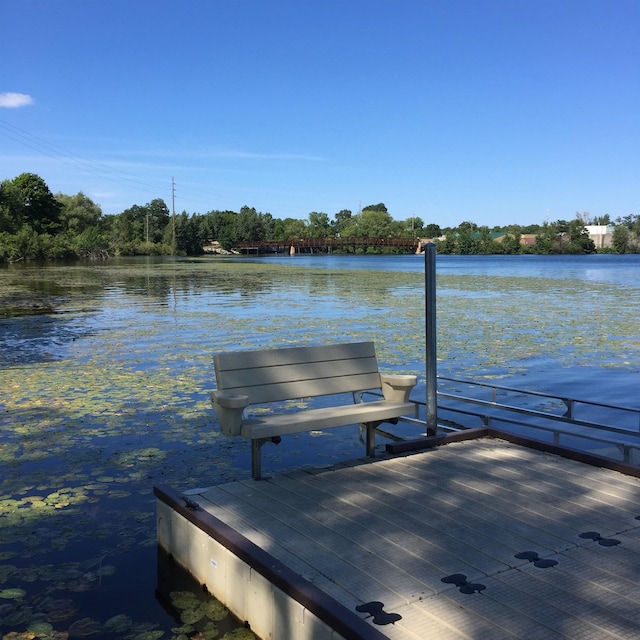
{"x": 229, "y": 408}
{"x": 397, "y": 388}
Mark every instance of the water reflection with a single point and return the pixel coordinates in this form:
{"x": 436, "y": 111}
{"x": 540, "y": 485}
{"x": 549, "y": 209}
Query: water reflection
{"x": 621, "y": 270}
{"x": 39, "y": 338}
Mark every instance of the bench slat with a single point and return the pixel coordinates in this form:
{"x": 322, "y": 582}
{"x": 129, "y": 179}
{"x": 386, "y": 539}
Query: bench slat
{"x": 292, "y": 355}
{"x": 309, "y": 388}
{"x": 258, "y": 376}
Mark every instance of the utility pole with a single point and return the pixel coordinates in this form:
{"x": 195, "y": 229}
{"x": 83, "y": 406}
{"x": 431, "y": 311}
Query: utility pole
{"x": 173, "y": 214}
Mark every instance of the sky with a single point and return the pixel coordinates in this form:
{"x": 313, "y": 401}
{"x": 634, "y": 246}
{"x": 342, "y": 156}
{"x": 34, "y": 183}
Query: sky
{"x": 492, "y": 111}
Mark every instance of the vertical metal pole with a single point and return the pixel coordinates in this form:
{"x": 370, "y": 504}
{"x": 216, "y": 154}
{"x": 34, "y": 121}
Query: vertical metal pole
{"x": 430, "y": 315}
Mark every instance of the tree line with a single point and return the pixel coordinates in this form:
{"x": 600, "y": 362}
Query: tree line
{"x": 36, "y": 224}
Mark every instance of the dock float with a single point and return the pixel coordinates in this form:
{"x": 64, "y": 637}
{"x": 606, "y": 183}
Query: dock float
{"x": 482, "y": 538}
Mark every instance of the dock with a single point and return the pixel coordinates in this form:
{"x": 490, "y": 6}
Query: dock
{"x": 482, "y": 538}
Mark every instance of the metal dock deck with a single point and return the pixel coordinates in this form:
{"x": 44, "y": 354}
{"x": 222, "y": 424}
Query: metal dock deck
{"x": 476, "y": 539}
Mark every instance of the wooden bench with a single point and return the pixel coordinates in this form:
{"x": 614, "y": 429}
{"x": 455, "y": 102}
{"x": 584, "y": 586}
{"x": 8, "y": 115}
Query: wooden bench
{"x": 246, "y": 378}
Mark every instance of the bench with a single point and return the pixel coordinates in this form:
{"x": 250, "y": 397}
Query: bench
{"x": 245, "y": 378}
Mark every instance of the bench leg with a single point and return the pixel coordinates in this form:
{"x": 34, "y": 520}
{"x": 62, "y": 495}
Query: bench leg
{"x": 256, "y": 459}
{"x": 256, "y": 455}
{"x": 370, "y": 442}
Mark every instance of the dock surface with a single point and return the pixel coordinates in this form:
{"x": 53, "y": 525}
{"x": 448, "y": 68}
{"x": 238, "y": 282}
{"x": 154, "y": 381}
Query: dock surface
{"x": 476, "y": 539}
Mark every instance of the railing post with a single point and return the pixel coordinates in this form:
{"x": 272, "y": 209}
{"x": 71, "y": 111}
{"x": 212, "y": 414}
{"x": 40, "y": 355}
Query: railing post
{"x": 431, "y": 355}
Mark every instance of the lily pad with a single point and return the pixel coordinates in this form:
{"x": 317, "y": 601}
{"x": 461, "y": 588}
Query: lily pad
{"x": 149, "y": 635}
{"x": 191, "y": 616}
{"x": 12, "y": 594}
{"x": 84, "y": 628}
{"x": 40, "y": 629}
{"x": 118, "y": 623}
{"x": 214, "y": 610}
{"x": 239, "y": 634}
{"x": 184, "y": 600}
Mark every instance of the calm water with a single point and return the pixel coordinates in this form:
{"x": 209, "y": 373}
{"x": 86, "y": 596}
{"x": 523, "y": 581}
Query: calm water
{"x": 105, "y": 371}
{"x": 620, "y": 270}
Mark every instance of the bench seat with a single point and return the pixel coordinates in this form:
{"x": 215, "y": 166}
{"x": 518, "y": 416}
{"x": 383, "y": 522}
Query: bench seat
{"x": 269, "y": 426}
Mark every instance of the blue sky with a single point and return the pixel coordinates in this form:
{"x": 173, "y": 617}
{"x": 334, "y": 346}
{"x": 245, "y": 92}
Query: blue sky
{"x": 494, "y": 111}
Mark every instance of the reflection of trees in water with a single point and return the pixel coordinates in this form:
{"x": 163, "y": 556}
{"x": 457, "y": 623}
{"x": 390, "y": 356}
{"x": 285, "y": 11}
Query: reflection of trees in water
{"x": 28, "y": 339}
{"x": 163, "y": 287}
{"x": 374, "y": 288}
{"x": 42, "y": 310}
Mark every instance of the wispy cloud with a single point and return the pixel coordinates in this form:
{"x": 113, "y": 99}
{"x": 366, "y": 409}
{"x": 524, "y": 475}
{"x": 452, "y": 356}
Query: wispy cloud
{"x": 11, "y": 100}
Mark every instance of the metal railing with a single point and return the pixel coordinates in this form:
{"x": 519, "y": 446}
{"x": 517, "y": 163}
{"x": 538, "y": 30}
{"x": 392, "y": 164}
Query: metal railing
{"x": 571, "y": 405}
{"x": 561, "y": 421}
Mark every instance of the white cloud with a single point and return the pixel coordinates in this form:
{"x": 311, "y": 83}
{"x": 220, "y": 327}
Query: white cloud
{"x": 12, "y": 100}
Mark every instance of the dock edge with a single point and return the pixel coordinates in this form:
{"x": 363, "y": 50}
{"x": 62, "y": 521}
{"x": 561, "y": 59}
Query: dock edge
{"x": 275, "y": 601}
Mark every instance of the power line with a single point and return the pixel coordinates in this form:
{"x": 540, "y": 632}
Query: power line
{"x": 99, "y": 169}
{"x": 210, "y": 200}
{"x": 79, "y": 162}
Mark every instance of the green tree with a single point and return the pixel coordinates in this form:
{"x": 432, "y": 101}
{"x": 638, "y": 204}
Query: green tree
{"x": 341, "y": 220}
{"x": 413, "y": 226}
{"x": 128, "y": 229}
{"x": 139, "y": 227}
{"x": 25, "y": 245}
{"x": 189, "y": 239}
{"x": 631, "y": 222}
{"x": 448, "y": 245}
{"x": 484, "y": 242}
{"x": 465, "y": 242}
{"x": 621, "y": 239}
{"x": 376, "y": 207}
{"x": 579, "y": 240}
{"x": 375, "y": 223}
{"x": 545, "y": 239}
{"x": 319, "y": 226}
{"x": 157, "y": 218}
{"x": 91, "y": 244}
{"x": 220, "y": 226}
{"x": 561, "y": 228}
{"x": 289, "y": 229}
{"x": 10, "y": 209}
{"x": 511, "y": 242}
{"x": 432, "y": 231}
{"x": 78, "y": 212}
{"x": 252, "y": 226}
{"x": 27, "y": 200}
{"x": 467, "y": 226}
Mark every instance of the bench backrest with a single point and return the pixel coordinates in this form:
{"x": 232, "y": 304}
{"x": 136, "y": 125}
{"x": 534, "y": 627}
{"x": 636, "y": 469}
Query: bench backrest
{"x": 271, "y": 375}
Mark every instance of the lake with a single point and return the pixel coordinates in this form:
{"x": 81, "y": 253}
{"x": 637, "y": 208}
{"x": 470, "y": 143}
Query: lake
{"x": 105, "y": 370}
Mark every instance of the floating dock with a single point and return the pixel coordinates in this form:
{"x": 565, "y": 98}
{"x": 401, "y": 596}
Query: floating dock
{"x": 482, "y": 538}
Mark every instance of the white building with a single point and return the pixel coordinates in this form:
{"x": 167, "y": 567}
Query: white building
{"x": 601, "y": 234}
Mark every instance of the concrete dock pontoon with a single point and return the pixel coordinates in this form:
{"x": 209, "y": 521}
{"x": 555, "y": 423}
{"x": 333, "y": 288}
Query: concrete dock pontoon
{"x": 482, "y": 538}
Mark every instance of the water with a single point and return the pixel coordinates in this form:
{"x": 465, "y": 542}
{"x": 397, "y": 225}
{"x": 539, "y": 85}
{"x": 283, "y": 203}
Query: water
{"x": 105, "y": 371}
{"x": 621, "y": 270}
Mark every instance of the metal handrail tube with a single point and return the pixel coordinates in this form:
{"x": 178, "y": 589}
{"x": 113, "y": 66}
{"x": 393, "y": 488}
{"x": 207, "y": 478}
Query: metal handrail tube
{"x": 567, "y": 419}
{"x": 558, "y": 432}
{"x": 533, "y": 413}
{"x": 541, "y": 394}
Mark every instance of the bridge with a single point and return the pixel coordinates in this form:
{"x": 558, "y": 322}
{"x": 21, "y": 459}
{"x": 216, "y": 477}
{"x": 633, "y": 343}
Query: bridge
{"x": 327, "y": 245}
